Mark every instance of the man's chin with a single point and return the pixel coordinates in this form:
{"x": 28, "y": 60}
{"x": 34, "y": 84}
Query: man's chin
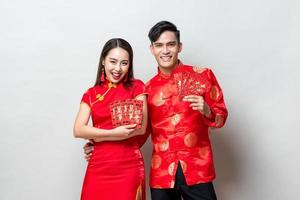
{"x": 169, "y": 66}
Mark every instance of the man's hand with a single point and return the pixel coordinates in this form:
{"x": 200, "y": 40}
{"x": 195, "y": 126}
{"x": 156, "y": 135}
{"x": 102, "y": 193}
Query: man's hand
{"x": 88, "y": 149}
{"x": 198, "y": 103}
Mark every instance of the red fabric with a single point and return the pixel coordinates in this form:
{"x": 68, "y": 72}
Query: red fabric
{"x": 180, "y": 134}
{"x": 115, "y": 169}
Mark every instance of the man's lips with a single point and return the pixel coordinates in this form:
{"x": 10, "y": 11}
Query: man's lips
{"x": 165, "y": 58}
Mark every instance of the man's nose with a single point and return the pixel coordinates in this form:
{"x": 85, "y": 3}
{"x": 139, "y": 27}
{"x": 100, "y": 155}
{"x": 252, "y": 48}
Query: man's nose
{"x": 165, "y": 49}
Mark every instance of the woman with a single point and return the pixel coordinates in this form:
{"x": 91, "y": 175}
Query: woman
{"x": 116, "y": 168}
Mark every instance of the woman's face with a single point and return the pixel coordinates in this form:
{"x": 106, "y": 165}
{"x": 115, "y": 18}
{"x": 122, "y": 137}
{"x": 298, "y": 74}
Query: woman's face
{"x": 116, "y": 64}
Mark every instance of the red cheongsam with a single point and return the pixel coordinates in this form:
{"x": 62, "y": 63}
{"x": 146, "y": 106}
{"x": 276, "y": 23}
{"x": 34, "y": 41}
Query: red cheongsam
{"x": 116, "y": 168}
{"x": 180, "y": 134}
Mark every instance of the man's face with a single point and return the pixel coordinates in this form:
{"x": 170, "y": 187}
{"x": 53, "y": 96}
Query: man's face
{"x": 165, "y": 50}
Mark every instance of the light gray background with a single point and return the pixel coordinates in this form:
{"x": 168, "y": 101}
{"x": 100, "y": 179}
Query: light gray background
{"x": 49, "y": 53}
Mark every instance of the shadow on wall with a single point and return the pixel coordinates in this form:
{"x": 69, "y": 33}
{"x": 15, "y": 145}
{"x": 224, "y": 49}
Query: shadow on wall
{"x": 229, "y": 170}
{"x": 147, "y": 153}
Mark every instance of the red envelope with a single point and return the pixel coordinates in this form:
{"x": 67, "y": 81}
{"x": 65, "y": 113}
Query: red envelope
{"x": 189, "y": 83}
{"x": 125, "y": 112}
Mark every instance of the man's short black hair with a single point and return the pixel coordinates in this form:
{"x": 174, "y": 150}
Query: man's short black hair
{"x": 161, "y": 27}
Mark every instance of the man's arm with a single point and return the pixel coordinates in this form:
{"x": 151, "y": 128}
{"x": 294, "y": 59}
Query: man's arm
{"x": 211, "y": 104}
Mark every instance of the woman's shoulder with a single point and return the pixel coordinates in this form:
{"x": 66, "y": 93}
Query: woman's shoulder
{"x": 92, "y": 90}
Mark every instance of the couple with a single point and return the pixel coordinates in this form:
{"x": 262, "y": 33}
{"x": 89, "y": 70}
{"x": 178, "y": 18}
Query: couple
{"x": 179, "y": 104}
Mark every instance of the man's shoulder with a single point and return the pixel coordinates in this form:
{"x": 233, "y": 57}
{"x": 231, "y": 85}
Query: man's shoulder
{"x": 151, "y": 80}
{"x": 137, "y": 82}
{"x": 195, "y": 68}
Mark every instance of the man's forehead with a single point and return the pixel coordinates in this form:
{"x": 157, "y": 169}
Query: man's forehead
{"x": 166, "y": 37}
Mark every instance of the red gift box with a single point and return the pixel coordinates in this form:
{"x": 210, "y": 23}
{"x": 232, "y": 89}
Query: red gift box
{"x": 125, "y": 112}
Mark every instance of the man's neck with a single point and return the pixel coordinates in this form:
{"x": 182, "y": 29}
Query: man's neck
{"x": 168, "y": 71}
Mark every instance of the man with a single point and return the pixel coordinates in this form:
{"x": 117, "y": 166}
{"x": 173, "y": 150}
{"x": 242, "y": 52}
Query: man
{"x": 183, "y": 102}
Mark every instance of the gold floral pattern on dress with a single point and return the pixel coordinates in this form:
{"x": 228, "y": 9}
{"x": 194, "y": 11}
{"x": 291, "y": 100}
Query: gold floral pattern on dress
{"x": 163, "y": 145}
{"x": 158, "y": 99}
{"x": 162, "y": 172}
{"x": 183, "y": 166}
{"x": 190, "y": 139}
{"x": 175, "y": 119}
{"x": 156, "y": 161}
{"x": 200, "y": 162}
{"x": 201, "y": 174}
{"x": 219, "y": 120}
{"x": 203, "y": 152}
{"x": 172, "y": 184}
{"x": 214, "y": 92}
{"x": 139, "y": 193}
{"x": 199, "y": 69}
{"x": 171, "y": 168}
{"x": 157, "y": 186}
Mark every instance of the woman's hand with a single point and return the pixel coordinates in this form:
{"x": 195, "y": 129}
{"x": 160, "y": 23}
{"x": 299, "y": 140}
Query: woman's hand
{"x": 124, "y": 131}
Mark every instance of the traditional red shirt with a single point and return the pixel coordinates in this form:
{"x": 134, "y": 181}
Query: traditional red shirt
{"x": 180, "y": 134}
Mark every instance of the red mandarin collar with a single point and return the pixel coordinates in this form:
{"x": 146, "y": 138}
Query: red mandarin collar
{"x": 108, "y": 84}
{"x": 167, "y": 76}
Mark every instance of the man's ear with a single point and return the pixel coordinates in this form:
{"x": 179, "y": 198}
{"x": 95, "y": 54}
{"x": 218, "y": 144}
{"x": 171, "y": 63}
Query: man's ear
{"x": 180, "y": 47}
{"x": 151, "y": 48}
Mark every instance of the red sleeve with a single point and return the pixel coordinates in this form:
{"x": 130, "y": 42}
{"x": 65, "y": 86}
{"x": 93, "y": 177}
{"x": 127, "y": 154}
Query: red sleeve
{"x": 86, "y": 98}
{"x": 214, "y": 98}
{"x": 139, "y": 88}
{"x": 143, "y": 138}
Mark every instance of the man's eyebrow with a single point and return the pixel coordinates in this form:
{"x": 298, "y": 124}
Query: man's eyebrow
{"x": 170, "y": 42}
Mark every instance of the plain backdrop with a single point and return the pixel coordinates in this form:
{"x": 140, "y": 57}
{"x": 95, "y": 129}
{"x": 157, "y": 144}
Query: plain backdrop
{"x": 49, "y": 53}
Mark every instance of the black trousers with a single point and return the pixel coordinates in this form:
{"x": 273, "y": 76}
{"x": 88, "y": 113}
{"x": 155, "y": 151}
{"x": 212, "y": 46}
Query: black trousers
{"x": 202, "y": 191}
